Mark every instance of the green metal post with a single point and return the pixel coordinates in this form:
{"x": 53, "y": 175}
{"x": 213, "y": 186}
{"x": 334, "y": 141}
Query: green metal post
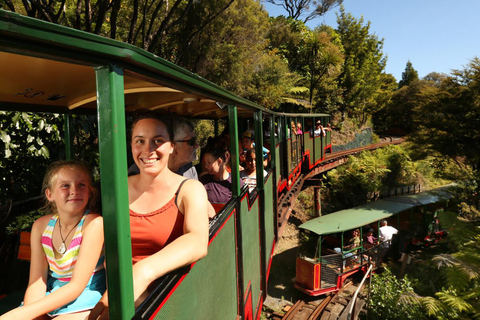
{"x": 233, "y": 127}
{"x": 257, "y": 117}
{"x": 273, "y": 142}
{"x": 67, "y": 120}
{"x": 113, "y": 168}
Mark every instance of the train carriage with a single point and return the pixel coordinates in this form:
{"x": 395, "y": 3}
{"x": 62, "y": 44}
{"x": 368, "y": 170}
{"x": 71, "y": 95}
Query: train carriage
{"x": 326, "y": 262}
{"x": 53, "y": 69}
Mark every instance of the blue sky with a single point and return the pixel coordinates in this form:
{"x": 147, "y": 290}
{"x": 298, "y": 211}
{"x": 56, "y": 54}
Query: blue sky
{"x": 435, "y": 35}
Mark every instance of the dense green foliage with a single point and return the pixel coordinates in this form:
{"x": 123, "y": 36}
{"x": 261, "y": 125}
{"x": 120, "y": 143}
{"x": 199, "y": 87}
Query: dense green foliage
{"x": 30, "y": 142}
{"x": 388, "y": 301}
{"x": 365, "y": 175}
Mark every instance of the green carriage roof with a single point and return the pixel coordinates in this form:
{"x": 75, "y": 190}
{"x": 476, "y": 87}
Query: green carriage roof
{"x": 349, "y": 219}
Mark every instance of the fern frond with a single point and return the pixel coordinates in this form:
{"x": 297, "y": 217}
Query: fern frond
{"x": 432, "y": 306}
{"x": 455, "y": 302}
{"x": 456, "y": 278}
{"x": 410, "y": 298}
{"x": 445, "y": 261}
{"x": 460, "y": 233}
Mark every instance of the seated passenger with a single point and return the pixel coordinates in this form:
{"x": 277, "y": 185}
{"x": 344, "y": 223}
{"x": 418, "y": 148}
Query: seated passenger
{"x": 67, "y": 275}
{"x": 249, "y": 175}
{"x": 168, "y": 213}
{"x": 354, "y": 242}
{"x": 184, "y": 151}
{"x": 218, "y": 181}
{"x": 371, "y": 240}
{"x": 299, "y": 128}
{"x": 248, "y": 139}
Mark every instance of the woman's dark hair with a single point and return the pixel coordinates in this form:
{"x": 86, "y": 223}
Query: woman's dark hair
{"x": 216, "y": 152}
{"x": 165, "y": 119}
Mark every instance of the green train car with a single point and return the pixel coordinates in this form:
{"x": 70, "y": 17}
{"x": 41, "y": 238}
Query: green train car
{"x": 54, "y": 69}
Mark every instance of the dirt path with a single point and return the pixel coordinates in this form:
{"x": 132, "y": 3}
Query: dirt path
{"x": 281, "y": 290}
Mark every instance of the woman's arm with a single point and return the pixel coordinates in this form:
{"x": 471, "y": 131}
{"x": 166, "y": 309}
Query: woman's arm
{"x": 90, "y": 250}
{"x": 184, "y": 250}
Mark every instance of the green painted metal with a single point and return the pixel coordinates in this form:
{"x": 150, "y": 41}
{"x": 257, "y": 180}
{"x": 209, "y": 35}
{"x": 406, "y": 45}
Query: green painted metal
{"x": 67, "y": 120}
{"x": 209, "y": 291}
{"x": 269, "y": 219}
{"x": 257, "y": 118}
{"x": 113, "y": 169}
{"x": 98, "y": 50}
{"x": 273, "y": 141}
{"x": 233, "y": 127}
{"x": 308, "y": 145}
{"x": 249, "y": 220}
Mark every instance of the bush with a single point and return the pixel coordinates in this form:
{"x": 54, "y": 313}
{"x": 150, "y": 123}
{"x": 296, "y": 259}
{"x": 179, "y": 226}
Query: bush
{"x": 387, "y": 298}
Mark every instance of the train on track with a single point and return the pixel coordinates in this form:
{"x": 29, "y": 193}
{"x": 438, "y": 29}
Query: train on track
{"x": 48, "y": 68}
{"x": 328, "y": 258}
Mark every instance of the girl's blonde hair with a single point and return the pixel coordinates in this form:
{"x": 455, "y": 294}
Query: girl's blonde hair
{"x": 51, "y": 174}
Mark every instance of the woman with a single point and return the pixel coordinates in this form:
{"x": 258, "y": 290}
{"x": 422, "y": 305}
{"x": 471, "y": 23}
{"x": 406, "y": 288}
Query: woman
{"x": 168, "y": 213}
{"x": 218, "y": 181}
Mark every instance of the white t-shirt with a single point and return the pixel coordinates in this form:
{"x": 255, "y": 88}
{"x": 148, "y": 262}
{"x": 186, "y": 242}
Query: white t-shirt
{"x": 386, "y": 233}
{"x": 250, "y": 181}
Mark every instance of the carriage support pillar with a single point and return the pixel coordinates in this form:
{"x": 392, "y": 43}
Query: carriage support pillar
{"x": 317, "y": 192}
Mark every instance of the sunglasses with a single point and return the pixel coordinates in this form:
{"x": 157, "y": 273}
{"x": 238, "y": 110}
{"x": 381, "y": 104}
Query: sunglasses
{"x": 191, "y": 142}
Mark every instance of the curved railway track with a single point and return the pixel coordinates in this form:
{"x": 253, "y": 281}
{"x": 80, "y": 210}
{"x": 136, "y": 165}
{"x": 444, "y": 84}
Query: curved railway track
{"x": 331, "y": 307}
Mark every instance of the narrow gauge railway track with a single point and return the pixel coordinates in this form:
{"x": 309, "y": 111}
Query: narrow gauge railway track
{"x": 332, "y": 307}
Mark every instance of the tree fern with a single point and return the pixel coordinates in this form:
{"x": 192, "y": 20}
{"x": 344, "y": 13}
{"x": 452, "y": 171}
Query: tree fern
{"x": 452, "y": 300}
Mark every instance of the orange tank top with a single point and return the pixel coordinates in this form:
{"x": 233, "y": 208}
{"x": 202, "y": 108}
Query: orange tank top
{"x": 152, "y": 231}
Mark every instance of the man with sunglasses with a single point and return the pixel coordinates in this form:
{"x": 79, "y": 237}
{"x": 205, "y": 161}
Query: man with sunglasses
{"x": 184, "y": 152}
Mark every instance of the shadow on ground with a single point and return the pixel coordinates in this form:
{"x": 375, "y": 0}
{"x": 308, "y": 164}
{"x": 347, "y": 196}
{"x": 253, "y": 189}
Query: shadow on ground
{"x": 282, "y": 276}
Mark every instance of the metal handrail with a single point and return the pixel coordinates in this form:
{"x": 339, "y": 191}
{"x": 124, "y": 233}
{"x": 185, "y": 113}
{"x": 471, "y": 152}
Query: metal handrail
{"x": 354, "y": 299}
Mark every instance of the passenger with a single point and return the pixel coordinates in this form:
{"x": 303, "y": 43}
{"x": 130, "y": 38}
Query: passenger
{"x": 218, "y": 181}
{"x": 248, "y": 142}
{"x": 249, "y": 175}
{"x": 299, "y": 128}
{"x": 184, "y": 152}
{"x": 386, "y": 232}
{"x": 319, "y": 130}
{"x": 371, "y": 240}
{"x": 67, "y": 274}
{"x": 168, "y": 213}
{"x": 354, "y": 242}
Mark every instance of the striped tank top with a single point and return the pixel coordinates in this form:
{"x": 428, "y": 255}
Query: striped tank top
{"x": 62, "y": 268}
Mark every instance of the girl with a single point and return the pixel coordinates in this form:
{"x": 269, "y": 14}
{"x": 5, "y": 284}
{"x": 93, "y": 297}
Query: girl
{"x": 249, "y": 175}
{"x": 67, "y": 276}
